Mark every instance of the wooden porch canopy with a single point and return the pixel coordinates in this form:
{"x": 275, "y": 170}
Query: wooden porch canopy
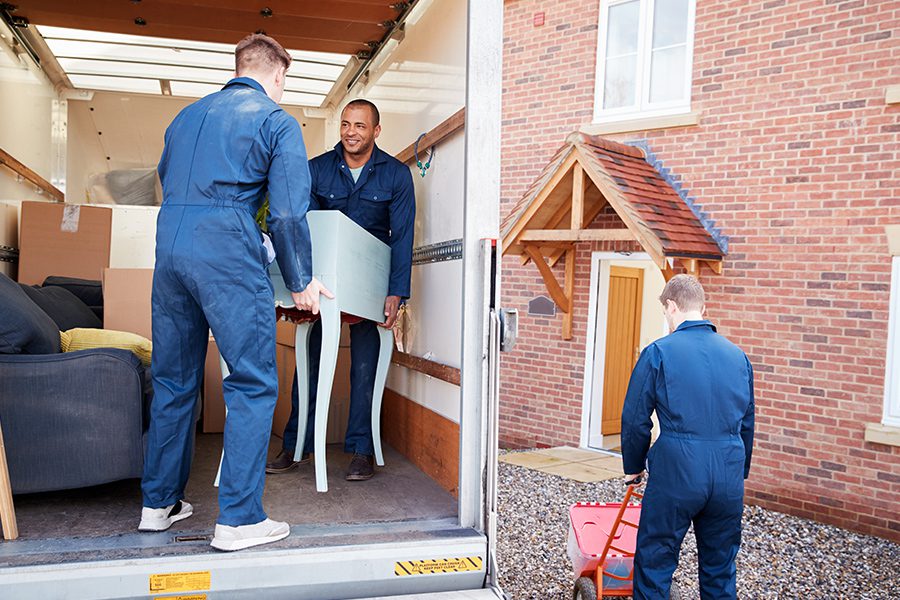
{"x": 587, "y": 175}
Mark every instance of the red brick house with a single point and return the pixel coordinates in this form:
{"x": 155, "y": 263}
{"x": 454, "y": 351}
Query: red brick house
{"x": 777, "y": 125}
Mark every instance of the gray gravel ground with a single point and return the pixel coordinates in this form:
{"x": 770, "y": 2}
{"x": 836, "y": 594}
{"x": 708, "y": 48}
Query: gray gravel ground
{"x": 782, "y": 557}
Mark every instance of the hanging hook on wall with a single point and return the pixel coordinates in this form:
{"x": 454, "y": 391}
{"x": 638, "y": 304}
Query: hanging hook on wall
{"x": 423, "y": 168}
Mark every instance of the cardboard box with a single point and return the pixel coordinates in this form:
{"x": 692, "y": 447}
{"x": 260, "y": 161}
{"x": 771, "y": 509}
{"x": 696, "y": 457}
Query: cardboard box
{"x": 126, "y": 300}
{"x": 69, "y": 240}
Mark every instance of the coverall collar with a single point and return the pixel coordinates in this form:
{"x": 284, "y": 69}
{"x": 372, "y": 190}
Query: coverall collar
{"x": 702, "y": 323}
{"x": 248, "y": 81}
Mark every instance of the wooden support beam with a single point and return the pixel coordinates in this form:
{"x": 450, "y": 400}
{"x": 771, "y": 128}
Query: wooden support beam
{"x": 428, "y": 367}
{"x": 577, "y": 235}
{"x": 446, "y": 128}
{"x": 667, "y": 272}
{"x": 692, "y": 266}
{"x": 578, "y": 197}
{"x": 715, "y": 266}
{"x": 7, "y": 160}
{"x": 7, "y": 511}
{"x": 553, "y": 288}
{"x": 569, "y": 317}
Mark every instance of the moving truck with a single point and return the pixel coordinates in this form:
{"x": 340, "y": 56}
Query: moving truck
{"x": 86, "y": 91}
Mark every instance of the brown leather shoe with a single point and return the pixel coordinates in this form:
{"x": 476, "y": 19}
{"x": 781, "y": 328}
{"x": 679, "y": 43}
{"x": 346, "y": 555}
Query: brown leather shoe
{"x": 284, "y": 462}
{"x": 362, "y": 467}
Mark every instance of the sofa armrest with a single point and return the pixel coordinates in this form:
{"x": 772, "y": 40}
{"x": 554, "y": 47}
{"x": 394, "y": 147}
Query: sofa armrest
{"x": 72, "y": 419}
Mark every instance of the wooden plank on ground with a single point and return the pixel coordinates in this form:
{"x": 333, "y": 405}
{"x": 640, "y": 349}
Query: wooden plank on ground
{"x": 7, "y": 510}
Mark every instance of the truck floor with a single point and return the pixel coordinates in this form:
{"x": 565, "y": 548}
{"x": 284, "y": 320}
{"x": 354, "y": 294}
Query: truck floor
{"x": 79, "y": 523}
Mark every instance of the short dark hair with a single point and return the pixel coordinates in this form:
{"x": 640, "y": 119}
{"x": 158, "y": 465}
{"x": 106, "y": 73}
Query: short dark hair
{"x": 685, "y": 291}
{"x": 258, "y": 51}
{"x": 363, "y": 102}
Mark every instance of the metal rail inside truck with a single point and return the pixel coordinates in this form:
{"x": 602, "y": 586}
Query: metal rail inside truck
{"x": 425, "y": 525}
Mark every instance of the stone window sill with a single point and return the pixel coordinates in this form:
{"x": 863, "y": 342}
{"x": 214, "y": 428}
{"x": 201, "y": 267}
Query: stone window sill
{"x": 643, "y": 124}
{"x": 877, "y": 433}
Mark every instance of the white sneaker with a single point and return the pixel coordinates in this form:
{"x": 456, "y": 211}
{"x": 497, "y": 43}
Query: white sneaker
{"x": 245, "y": 536}
{"x": 160, "y": 519}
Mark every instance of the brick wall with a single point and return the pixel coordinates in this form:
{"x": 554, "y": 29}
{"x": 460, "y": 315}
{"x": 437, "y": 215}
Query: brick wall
{"x": 797, "y": 160}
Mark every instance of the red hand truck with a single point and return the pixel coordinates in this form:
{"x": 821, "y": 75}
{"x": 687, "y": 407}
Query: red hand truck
{"x": 601, "y": 545}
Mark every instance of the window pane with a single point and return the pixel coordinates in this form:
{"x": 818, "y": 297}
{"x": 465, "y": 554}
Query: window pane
{"x": 670, "y": 20}
{"x": 667, "y": 78}
{"x": 622, "y": 29}
{"x": 621, "y": 77}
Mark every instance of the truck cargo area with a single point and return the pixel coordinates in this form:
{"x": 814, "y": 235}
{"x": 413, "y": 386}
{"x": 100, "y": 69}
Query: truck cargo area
{"x": 100, "y": 522}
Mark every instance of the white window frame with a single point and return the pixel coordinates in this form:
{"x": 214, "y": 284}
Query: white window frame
{"x": 643, "y": 109}
{"x": 891, "y": 368}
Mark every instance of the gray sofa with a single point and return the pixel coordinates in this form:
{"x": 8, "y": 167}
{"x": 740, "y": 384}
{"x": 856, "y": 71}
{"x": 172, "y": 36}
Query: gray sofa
{"x": 70, "y": 419}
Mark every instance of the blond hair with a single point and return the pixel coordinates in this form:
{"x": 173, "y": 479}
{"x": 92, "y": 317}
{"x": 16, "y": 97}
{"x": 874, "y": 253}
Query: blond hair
{"x": 685, "y": 291}
{"x": 259, "y": 52}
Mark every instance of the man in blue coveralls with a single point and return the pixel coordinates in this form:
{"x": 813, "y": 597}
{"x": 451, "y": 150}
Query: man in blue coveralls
{"x": 222, "y": 154}
{"x": 376, "y": 191}
{"x": 701, "y": 387}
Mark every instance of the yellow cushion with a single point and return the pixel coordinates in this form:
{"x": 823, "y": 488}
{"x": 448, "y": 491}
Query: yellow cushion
{"x": 84, "y": 339}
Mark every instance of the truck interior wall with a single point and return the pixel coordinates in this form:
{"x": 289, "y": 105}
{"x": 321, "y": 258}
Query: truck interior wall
{"x": 113, "y": 131}
{"x": 26, "y": 100}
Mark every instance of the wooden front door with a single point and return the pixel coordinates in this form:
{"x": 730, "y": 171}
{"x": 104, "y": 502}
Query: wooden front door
{"x": 623, "y": 331}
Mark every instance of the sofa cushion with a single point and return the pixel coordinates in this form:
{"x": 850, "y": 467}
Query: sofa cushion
{"x": 24, "y": 327}
{"x": 89, "y": 291}
{"x": 64, "y": 307}
{"x": 74, "y": 340}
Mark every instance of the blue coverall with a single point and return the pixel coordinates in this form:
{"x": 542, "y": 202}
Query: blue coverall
{"x": 222, "y": 154}
{"x": 701, "y": 386}
{"x": 382, "y": 201}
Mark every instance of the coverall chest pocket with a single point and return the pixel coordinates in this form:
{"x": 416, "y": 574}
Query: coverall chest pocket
{"x": 374, "y": 206}
{"x": 332, "y": 199}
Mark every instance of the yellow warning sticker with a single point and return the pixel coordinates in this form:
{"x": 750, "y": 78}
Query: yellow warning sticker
{"x": 437, "y": 565}
{"x": 182, "y": 597}
{"x": 180, "y": 582}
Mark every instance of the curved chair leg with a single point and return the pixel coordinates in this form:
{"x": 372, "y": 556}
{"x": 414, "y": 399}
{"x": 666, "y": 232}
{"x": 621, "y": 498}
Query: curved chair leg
{"x": 331, "y": 337}
{"x": 384, "y": 361}
{"x": 225, "y": 374}
{"x": 301, "y": 351}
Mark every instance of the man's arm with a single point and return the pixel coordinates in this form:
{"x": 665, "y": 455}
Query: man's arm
{"x": 640, "y": 402}
{"x": 403, "y": 218}
{"x": 747, "y": 423}
{"x": 289, "y": 189}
